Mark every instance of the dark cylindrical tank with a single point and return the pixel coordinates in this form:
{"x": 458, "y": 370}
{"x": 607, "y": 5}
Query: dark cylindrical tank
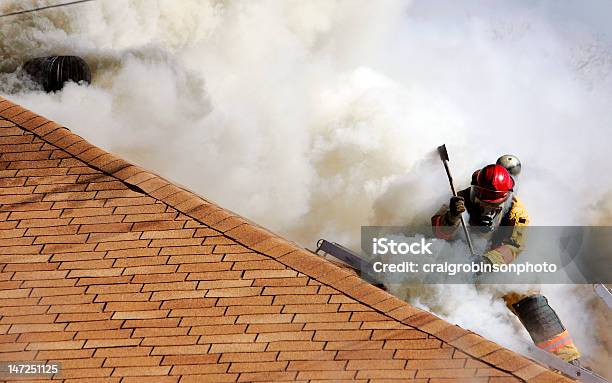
{"x": 53, "y": 71}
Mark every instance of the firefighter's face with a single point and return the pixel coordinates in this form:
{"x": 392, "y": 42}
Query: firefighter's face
{"x": 487, "y": 216}
{"x": 488, "y": 207}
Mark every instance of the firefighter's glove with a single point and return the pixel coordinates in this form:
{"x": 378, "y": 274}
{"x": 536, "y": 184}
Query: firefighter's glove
{"x": 485, "y": 259}
{"x": 455, "y": 209}
{"x": 478, "y": 258}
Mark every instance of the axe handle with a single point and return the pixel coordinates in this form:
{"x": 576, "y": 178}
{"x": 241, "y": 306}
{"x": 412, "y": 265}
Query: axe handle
{"x": 463, "y": 225}
{"x": 450, "y": 180}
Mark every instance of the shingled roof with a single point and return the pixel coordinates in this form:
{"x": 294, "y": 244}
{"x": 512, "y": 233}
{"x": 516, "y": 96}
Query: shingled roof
{"x": 122, "y": 276}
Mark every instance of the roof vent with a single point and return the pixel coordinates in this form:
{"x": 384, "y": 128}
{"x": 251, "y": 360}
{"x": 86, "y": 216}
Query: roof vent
{"x": 53, "y": 71}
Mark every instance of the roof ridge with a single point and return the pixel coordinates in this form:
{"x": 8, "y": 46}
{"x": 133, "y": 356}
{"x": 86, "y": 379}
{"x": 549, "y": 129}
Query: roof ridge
{"x": 265, "y": 242}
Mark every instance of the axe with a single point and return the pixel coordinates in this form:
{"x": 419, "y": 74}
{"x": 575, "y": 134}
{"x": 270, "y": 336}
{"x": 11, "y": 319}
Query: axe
{"x": 444, "y": 157}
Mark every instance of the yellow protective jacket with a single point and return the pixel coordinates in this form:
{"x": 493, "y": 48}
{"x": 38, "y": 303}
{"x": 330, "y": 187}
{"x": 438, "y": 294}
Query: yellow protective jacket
{"x": 505, "y": 247}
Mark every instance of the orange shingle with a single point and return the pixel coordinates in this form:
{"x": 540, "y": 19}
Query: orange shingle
{"x": 163, "y": 286}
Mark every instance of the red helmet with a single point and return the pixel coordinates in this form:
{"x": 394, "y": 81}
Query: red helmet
{"x": 492, "y": 184}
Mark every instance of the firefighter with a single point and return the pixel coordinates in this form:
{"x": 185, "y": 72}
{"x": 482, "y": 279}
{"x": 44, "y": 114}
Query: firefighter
{"x": 501, "y": 218}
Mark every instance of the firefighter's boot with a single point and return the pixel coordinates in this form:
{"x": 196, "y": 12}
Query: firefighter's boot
{"x": 545, "y": 327}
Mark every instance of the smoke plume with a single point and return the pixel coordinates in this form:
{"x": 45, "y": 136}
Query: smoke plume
{"x": 315, "y": 118}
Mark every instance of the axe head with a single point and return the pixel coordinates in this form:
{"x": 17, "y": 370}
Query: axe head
{"x": 443, "y": 153}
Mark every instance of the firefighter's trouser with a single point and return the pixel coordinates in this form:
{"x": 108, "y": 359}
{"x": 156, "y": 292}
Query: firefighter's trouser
{"x": 543, "y": 324}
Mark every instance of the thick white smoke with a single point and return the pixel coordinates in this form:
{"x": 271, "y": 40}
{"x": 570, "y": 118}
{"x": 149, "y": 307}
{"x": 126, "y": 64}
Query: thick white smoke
{"x": 316, "y": 117}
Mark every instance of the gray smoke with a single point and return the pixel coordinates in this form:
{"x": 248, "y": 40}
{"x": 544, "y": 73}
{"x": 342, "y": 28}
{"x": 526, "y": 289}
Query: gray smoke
{"x": 314, "y": 118}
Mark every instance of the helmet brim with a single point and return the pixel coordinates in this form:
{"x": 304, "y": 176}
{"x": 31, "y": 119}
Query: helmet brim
{"x": 493, "y": 197}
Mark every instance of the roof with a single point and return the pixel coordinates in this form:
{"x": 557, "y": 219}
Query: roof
{"x": 122, "y": 276}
